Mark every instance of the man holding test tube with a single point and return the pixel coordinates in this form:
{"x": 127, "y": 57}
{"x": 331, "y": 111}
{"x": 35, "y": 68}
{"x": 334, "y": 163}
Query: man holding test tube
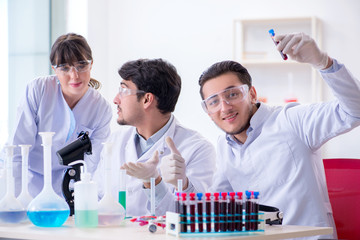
{"x": 151, "y": 142}
{"x": 276, "y": 150}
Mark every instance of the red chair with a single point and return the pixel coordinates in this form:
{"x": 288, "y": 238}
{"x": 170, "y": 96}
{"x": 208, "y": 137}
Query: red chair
{"x": 343, "y": 182}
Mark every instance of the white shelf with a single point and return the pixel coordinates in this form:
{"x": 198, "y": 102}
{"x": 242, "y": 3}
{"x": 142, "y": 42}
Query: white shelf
{"x": 274, "y": 78}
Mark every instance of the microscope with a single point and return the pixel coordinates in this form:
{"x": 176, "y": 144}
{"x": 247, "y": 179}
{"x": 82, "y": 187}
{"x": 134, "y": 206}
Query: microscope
{"x": 68, "y": 154}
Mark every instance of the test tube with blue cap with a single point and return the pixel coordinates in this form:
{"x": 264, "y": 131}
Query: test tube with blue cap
{"x": 272, "y": 35}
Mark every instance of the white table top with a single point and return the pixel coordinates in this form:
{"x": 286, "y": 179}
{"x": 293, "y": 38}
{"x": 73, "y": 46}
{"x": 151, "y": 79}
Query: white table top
{"x": 130, "y": 231}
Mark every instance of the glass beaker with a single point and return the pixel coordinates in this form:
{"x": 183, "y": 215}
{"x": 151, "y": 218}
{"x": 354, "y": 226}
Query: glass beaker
{"x": 48, "y": 209}
{"x": 25, "y": 198}
{"x": 110, "y": 211}
{"x": 11, "y": 210}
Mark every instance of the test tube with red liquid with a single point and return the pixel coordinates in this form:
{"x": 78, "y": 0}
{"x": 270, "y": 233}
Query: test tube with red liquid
{"x": 239, "y": 212}
{"x": 255, "y": 216}
{"x": 223, "y": 211}
{"x": 272, "y": 35}
{"x": 248, "y": 210}
{"x": 183, "y": 213}
{"x": 208, "y": 211}
{"x": 231, "y": 212}
{"x": 200, "y": 212}
{"x": 177, "y": 203}
{"x": 216, "y": 212}
{"x": 192, "y": 212}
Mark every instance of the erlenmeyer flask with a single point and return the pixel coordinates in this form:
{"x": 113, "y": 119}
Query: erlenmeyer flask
{"x": 110, "y": 211}
{"x": 48, "y": 209}
{"x": 11, "y": 210}
{"x": 25, "y": 198}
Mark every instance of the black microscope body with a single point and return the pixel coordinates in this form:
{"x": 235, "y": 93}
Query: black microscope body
{"x": 67, "y": 155}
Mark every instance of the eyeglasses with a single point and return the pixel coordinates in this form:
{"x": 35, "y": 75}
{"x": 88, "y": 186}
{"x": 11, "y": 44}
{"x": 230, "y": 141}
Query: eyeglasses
{"x": 81, "y": 66}
{"x": 231, "y": 95}
{"x": 127, "y": 92}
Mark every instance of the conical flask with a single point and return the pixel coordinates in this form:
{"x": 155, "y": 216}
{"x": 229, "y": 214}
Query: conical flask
{"x": 111, "y": 212}
{"x": 25, "y": 198}
{"x": 11, "y": 210}
{"x": 48, "y": 209}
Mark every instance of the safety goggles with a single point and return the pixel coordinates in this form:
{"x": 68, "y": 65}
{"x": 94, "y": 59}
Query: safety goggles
{"x": 231, "y": 96}
{"x": 81, "y": 66}
{"x": 127, "y": 92}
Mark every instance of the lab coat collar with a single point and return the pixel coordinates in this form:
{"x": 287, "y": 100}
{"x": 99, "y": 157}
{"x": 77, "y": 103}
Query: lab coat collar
{"x": 160, "y": 145}
{"x": 256, "y": 121}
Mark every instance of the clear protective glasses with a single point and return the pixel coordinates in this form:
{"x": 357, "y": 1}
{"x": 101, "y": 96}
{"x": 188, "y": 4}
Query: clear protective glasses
{"x": 127, "y": 92}
{"x": 231, "y": 96}
{"x": 81, "y": 66}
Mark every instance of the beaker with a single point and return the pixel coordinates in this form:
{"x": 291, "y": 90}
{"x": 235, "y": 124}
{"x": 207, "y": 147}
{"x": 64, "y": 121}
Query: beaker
{"x": 11, "y": 210}
{"x": 48, "y": 209}
{"x": 25, "y": 198}
{"x": 111, "y": 212}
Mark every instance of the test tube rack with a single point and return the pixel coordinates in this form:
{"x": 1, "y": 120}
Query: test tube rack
{"x": 174, "y": 222}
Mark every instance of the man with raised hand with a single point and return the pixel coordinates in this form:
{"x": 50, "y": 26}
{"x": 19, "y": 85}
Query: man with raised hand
{"x": 147, "y": 96}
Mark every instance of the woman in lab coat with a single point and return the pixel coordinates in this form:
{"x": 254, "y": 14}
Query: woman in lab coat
{"x": 65, "y": 103}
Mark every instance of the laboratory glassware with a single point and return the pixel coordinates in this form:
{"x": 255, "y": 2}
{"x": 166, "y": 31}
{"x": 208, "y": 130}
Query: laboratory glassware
{"x": 11, "y": 210}
{"x": 48, "y": 209}
{"x": 85, "y": 199}
{"x": 110, "y": 211}
{"x": 122, "y": 188}
{"x": 25, "y": 198}
{"x": 2, "y": 183}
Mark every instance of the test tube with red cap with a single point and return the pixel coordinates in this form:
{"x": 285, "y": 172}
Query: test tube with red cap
{"x": 200, "y": 212}
{"x": 216, "y": 212}
{"x": 177, "y": 203}
{"x": 183, "y": 213}
{"x": 231, "y": 212}
{"x": 208, "y": 211}
{"x": 239, "y": 211}
{"x": 223, "y": 212}
{"x": 192, "y": 212}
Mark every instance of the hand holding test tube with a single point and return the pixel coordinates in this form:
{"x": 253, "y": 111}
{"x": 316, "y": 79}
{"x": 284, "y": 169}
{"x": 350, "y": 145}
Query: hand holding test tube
{"x": 272, "y": 35}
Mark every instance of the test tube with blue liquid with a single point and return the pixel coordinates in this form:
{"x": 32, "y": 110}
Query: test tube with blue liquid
{"x": 11, "y": 209}
{"x": 48, "y": 209}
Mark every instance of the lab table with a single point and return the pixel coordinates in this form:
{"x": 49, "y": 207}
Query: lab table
{"x": 130, "y": 230}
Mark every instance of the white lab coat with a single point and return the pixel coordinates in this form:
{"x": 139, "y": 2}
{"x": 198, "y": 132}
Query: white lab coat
{"x": 44, "y": 109}
{"x": 281, "y": 156}
{"x": 199, "y": 155}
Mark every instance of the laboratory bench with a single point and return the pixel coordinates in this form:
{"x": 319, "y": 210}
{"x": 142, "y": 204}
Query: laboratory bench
{"x": 132, "y": 230}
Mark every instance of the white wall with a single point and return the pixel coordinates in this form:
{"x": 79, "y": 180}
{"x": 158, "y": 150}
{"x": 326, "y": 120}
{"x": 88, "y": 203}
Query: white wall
{"x": 195, "y": 34}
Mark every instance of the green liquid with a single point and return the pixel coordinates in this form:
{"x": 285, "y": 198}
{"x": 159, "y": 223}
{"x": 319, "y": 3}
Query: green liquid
{"x": 122, "y": 198}
{"x": 86, "y": 218}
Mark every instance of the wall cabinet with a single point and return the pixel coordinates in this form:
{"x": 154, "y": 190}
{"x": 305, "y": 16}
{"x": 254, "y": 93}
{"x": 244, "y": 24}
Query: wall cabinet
{"x": 277, "y": 81}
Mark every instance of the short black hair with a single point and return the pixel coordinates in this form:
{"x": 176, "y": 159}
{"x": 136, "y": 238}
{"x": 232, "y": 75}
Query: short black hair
{"x": 155, "y": 76}
{"x": 223, "y": 67}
